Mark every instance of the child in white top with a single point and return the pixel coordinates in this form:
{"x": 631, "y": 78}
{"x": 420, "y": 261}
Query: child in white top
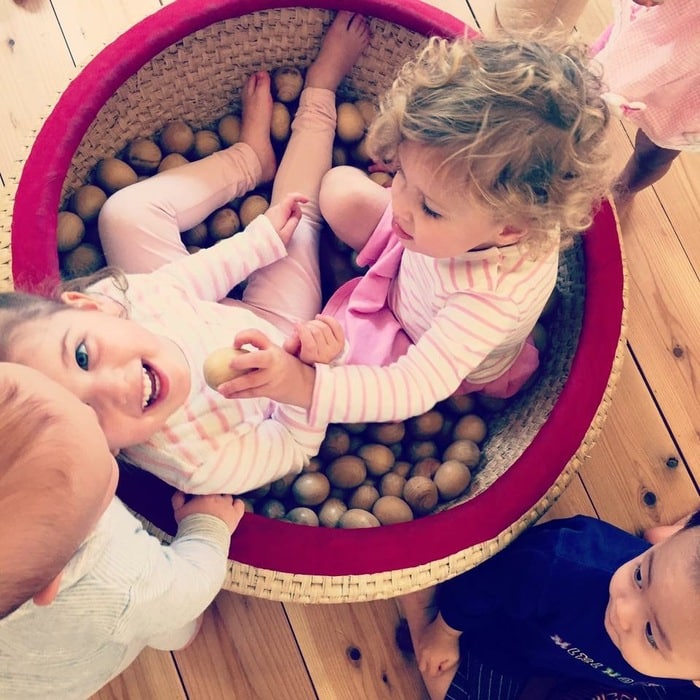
{"x": 143, "y": 374}
{"x": 500, "y": 157}
{"x": 84, "y": 588}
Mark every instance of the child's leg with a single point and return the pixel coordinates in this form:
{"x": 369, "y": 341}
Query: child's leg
{"x": 647, "y": 164}
{"x": 140, "y": 225}
{"x": 352, "y": 204}
{"x": 290, "y": 288}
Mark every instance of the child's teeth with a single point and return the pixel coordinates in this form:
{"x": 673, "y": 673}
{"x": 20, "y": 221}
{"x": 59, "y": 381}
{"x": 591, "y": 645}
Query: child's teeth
{"x": 151, "y": 387}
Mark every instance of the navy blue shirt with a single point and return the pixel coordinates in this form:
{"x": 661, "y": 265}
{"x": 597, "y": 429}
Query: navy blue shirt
{"x": 538, "y": 606}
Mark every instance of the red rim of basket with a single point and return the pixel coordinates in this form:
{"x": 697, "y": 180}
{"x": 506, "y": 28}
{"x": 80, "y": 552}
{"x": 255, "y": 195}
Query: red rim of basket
{"x": 280, "y": 546}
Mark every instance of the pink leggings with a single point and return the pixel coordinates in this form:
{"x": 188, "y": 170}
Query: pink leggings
{"x": 140, "y": 225}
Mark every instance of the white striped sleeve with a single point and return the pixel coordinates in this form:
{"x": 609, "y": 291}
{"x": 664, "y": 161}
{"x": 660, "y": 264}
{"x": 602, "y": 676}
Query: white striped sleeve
{"x": 461, "y": 336}
{"x": 254, "y": 455}
{"x": 211, "y": 273}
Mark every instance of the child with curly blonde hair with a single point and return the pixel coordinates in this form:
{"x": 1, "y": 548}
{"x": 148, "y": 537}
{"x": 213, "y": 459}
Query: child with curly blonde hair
{"x": 499, "y": 154}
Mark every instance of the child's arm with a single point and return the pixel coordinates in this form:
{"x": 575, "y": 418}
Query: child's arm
{"x": 179, "y": 581}
{"x": 211, "y": 273}
{"x": 429, "y": 372}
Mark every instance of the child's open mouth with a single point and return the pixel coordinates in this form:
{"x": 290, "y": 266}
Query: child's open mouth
{"x": 151, "y": 386}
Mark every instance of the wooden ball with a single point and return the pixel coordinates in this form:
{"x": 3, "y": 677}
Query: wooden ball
{"x": 251, "y": 207}
{"x": 112, "y": 174}
{"x": 311, "y": 489}
{"x": 421, "y": 493}
{"x": 216, "y": 366}
{"x": 144, "y": 156}
{"x": 81, "y": 261}
{"x": 287, "y": 83}
{"x": 87, "y": 201}
{"x": 172, "y": 160}
{"x": 392, "y": 509}
{"x": 470, "y": 427}
{"x": 176, "y": 137}
{"x": 452, "y": 479}
{"x": 206, "y": 142}
{"x": 229, "y": 129}
{"x": 357, "y": 518}
{"x": 281, "y": 123}
{"x": 223, "y": 223}
{"x": 350, "y": 123}
{"x": 347, "y": 472}
{"x": 70, "y": 231}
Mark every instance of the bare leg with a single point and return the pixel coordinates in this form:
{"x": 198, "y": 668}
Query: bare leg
{"x": 647, "y": 164}
{"x": 352, "y": 204}
{"x": 140, "y": 225}
{"x": 290, "y": 289}
{"x": 511, "y": 17}
{"x": 419, "y": 609}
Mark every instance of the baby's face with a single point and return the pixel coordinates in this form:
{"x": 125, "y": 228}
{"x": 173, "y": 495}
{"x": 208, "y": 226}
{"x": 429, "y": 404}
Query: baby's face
{"x": 133, "y": 379}
{"x": 653, "y": 615}
{"x": 94, "y": 472}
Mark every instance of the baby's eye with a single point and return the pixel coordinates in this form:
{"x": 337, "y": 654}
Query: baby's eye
{"x": 429, "y": 212}
{"x": 649, "y": 634}
{"x": 637, "y": 575}
{"x": 81, "y": 357}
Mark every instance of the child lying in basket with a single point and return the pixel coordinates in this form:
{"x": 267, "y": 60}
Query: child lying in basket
{"x": 143, "y": 374}
{"x": 84, "y": 588}
{"x": 499, "y": 153}
{"x": 575, "y": 599}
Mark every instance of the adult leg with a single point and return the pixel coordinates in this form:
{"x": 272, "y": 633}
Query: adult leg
{"x": 290, "y": 289}
{"x": 647, "y": 164}
{"x": 140, "y": 225}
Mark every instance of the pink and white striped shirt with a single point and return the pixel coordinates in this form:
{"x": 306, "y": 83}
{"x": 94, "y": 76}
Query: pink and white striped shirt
{"x": 468, "y": 318}
{"x": 212, "y": 444}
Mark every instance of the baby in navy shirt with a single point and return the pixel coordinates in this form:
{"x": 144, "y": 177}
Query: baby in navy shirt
{"x": 575, "y": 599}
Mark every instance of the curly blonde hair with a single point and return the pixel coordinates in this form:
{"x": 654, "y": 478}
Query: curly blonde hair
{"x": 519, "y": 123}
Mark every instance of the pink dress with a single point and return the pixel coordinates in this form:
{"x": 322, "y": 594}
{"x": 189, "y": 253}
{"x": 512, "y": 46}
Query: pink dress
{"x": 651, "y": 62}
{"x": 375, "y": 335}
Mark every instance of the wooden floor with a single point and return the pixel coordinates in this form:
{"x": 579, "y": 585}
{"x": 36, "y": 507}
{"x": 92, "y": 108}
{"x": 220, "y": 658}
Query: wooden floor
{"x": 644, "y": 469}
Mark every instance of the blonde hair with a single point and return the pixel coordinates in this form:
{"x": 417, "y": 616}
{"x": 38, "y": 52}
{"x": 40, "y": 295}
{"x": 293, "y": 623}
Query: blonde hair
{"x": 41, "y": 532}
{"x": 519, "y": 124}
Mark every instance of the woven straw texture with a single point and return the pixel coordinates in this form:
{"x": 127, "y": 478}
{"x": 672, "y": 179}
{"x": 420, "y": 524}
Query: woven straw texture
{"x": 198, "y": 79}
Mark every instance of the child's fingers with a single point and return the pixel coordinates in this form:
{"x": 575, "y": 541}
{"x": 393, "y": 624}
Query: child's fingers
{"x": 333, "y": 325}
{"x": 178, "y": 500}
{"x": 252, "y": 336}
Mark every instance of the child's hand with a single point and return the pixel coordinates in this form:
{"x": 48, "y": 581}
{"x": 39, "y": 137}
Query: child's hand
{"x": 226, "y": 508}
{"x": 270, "y": 371}
{"x": 320, "y": 340}
{"x": 285, "y": 215}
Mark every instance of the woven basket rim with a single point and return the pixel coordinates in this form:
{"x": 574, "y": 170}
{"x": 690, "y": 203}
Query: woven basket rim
{"x": 252, "y": 576}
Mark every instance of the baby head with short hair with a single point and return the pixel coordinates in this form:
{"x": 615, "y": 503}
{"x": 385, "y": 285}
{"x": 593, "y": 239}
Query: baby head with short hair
{"x": 57, "y": 477}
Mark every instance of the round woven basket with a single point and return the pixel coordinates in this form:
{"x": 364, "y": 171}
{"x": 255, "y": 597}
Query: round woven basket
{"x": 187, "y": 61}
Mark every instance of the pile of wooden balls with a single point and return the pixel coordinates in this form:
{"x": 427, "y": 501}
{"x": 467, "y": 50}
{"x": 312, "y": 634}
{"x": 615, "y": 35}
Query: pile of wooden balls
{"x": 364, "y": 475}
{"x": 367, "y": 475}
{"x": 177, "y": 143}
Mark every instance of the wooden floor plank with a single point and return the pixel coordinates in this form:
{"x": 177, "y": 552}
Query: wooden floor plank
{"x": 30, "y": 79}
{"x": 350, "y": 651}
{"x": 89, "y": 25}
{"x": 152, "y": 676}
{"x": 627, "y": 475}
{"x": 245, "y": 651}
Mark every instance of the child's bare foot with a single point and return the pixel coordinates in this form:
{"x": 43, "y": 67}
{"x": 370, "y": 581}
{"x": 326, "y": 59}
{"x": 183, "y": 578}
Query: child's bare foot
{"x": 255, "y": 121}
{"x": 344, "y": 41}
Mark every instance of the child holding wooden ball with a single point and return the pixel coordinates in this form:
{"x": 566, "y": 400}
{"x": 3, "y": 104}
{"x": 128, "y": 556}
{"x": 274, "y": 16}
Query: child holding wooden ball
{"x": 143, "y": 375}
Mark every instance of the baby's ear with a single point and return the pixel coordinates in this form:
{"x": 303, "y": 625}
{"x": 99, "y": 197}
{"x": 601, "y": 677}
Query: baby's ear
{"x": 88, "y": 302}
{"x": 49, "y": 593}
